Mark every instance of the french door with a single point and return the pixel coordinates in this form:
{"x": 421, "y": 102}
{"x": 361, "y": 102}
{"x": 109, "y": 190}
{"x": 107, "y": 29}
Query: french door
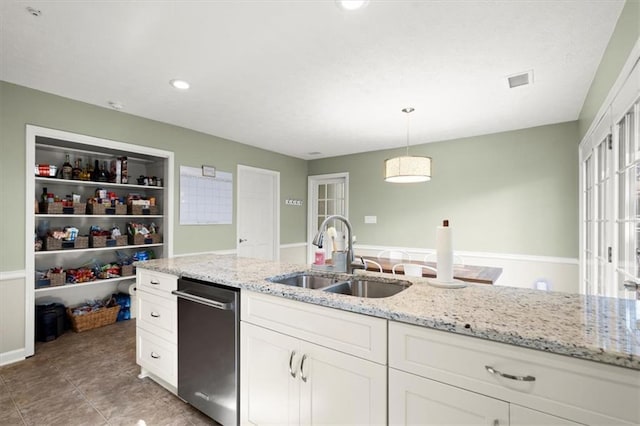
{"x": 328, "y": 195}
{"x": 610, "y": 198}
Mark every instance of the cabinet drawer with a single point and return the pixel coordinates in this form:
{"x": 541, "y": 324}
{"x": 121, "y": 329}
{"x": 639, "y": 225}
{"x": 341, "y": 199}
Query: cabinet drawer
{"x": 355, "y": 334}
{"x": 157, "y": 356}
{"x": 158, "y": 315}
{"x": 585, "y": 391}
{"x": 156, "y": 281}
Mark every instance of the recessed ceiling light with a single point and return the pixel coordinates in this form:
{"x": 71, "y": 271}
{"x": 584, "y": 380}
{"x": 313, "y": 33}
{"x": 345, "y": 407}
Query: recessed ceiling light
{"x": 33, "y": 11}
{"x": 179, "y": 84}
{"x": 352, "y": 4}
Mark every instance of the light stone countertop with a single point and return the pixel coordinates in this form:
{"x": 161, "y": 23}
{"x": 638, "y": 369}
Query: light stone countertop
{"x": 588, "y": 327}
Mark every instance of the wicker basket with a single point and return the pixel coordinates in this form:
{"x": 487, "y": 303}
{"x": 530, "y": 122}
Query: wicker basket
{"x": 127, "y": 270}
{"x": 76, "y": 208}
{"x": 50, "y": 243}
{"x": 121, "y": 209}
{"x": 138, "y": 210}
{"x": 81, "y": 242}
{"x": 99, "y": 318}
{"x": 51, "y": 208}
{"x": 57, "y": 279}
{"x": 139, "y": 239}
{"x": 122, "y": 240}
{"x": 98, "y": 241}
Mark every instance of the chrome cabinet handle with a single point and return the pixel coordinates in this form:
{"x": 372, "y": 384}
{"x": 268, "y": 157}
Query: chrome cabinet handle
{"x": 155, "y": 314}
{"x": 302, "y": 376}
{"x": 492, "y": 370}
{"x": 631, "y": 285}
{"x": 155, "y": 355}
{"x": 291, "y": 369}
{"x": 154, "y": 282}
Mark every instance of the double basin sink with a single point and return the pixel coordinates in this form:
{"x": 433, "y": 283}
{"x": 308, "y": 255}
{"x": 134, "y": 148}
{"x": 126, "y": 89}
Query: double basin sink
{"x": 345, "y": 284}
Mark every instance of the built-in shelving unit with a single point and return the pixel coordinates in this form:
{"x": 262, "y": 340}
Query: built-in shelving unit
{"x": 48, "y": 146}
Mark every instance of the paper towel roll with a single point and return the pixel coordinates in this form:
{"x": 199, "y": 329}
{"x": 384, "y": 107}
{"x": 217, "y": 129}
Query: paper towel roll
{"x": 130, "y": 288}
{"x": 444, "y": 253}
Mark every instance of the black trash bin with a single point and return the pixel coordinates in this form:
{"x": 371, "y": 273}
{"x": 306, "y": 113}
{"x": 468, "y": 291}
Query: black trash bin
{"x": 50, "y": 321}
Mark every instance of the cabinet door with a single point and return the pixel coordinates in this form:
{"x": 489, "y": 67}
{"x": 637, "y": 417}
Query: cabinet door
{"x": 418, "y": 401}
{"x": 521, "y": 416}
{"x": 337, "y": 388}
{"x": 269, "y": 392}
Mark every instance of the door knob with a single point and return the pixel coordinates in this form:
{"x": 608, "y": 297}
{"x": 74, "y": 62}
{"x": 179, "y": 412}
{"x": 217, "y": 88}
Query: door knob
{"x": 242, "y": 240}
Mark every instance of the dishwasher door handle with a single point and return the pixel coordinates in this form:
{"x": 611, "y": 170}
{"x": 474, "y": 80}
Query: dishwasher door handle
{"x": 225, "y": 306}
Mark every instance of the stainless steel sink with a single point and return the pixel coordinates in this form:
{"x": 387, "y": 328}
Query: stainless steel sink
{"x": 369, "y": 288}
{"x": 307, "y": 280}
{"x": 344, "y": 284}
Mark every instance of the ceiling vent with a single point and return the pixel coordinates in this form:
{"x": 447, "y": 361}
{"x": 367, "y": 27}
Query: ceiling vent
{"x": 521, "y": 79}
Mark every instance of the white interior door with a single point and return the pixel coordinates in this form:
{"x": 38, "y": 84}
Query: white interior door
{"x": 258, "y": 213}
{"x": 328, "y": 195}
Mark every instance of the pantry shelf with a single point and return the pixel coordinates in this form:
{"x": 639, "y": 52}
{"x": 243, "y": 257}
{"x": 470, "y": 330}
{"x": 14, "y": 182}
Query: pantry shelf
{"x": 56, "y": 181}
{"x": 71, "y": 250}
{"x": 87, "y": 284}
{"x": 111, "y": 216}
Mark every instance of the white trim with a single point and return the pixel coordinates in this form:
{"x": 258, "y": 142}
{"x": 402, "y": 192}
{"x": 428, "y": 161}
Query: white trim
{"x": 292, "y": 245}
{"x": 220, "y": 252}
{"x": 12, "y": 275}
{"x": 31, "y": 133}
{"x": 12, "y": 356}
{"x": 276, "y": 201}
{"x": 470, "y": 254}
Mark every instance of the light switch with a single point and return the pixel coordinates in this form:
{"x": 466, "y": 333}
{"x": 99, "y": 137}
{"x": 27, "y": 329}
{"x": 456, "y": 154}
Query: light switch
{"x": 371, "y": 219}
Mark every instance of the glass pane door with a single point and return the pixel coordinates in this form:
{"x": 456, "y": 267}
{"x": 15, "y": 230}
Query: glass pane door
{"x": 329, "y": 196}
{"x": 628, "y": 217}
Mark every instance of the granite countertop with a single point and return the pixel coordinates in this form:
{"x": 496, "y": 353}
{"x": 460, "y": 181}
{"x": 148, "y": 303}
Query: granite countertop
{"x": 588, "y": 327}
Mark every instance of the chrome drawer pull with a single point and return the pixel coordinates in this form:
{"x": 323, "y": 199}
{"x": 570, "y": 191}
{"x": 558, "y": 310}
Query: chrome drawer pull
{"x": 509, "y": 376}
{"x": 154, "y": 282}
{"x": 155, "y": 314}
{"x": 155, "y": 355}
{"x": 302, "y": 376}
{"x": 291, "y": 370}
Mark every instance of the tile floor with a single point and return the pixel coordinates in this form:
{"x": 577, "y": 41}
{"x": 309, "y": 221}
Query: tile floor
{"x": 88, "y": 378}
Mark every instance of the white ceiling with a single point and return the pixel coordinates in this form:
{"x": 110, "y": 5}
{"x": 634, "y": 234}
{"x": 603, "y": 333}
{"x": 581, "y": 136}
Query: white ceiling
{"x": 303, "y": 75}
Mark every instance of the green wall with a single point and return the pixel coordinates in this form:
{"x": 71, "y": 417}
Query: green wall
{"x": 511, "y": 192}
{"x": 20, "y": 106}
{"x": 624, "y": 37}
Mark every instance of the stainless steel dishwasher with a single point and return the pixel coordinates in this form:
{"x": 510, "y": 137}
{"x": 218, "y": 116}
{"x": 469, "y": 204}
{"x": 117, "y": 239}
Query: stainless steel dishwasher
{"x": 209, "y": 348}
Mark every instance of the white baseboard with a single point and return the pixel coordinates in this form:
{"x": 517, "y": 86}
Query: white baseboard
{"x": 12, "y": 356}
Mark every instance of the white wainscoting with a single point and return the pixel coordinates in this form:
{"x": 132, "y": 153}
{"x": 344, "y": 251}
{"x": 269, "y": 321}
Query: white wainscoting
{"x": 560, "y": 274}
{"x": 12, "y": 316}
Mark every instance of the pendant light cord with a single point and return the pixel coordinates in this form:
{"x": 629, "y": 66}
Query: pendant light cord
{"x": 407, "y": 111}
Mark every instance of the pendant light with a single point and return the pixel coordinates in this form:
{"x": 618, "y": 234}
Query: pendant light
{"x": 407, "y": 168}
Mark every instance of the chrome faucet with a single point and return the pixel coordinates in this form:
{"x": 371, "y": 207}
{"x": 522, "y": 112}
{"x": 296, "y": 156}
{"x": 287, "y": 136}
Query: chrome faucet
{"x": 317, "y": 241}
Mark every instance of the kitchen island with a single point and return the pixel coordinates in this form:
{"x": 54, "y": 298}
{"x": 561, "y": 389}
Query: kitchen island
{"x": 588, "y": 327}
{"x": 535, "y": 357}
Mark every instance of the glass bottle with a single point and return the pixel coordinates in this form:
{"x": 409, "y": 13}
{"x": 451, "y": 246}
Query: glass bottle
{"x": 67, "y": 168}
{"x": 95, "y": 175}
{"x": 88, "y": 174}
{"x": 76, "y": 173}
{"x": 103, "y": 175}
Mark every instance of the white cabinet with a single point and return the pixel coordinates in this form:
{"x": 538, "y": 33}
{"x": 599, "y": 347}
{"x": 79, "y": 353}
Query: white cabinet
{"x": 51, "y": 147}
{"x": 287, "y": 379}
{"x": 414, "y": 400}
{"x": 157, "y": 327}
{"x": 522, "y": 416}
{"x": 551, "y": 387}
